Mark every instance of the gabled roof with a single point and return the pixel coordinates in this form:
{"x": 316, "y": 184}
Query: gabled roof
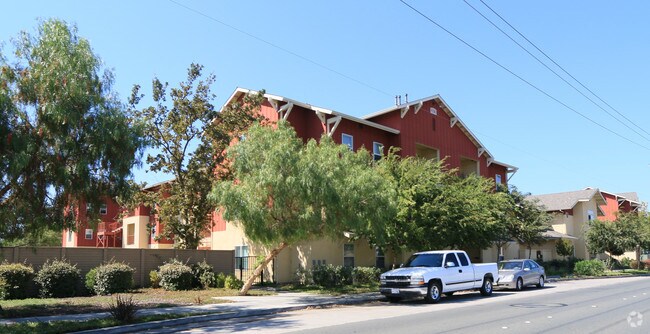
{"x": 567, "y": 200}
{"x": 631, "y": 196}
{"x": 239, "y": 92}
{"x": 445, "y": 107}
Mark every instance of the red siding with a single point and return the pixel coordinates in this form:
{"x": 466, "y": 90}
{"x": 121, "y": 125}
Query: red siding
{"x": 610, "y": 208}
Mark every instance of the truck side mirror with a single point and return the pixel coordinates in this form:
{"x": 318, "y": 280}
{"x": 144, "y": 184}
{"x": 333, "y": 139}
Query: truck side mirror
{"x": 450, "y": 264}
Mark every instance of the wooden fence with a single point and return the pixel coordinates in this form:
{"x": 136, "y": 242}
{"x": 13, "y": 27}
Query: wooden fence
{"x": 143, "y": 260}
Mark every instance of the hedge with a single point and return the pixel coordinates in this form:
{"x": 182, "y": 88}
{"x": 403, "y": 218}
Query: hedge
{"x": 175, "y": 275}
{"x": 15, "y": 280}
{"x": 58, "y": 279}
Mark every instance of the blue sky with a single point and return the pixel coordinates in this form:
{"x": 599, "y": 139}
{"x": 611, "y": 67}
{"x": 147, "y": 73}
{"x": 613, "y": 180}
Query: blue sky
{"x": 393, "y": 50}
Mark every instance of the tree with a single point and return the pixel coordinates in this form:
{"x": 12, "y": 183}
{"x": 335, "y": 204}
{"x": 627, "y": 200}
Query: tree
{"x": 437, "y": 209}
{"x": 173, "y": 128}
{"x": 564, "y": 247}
{"x": 604, "y": 236}
{"x": 633, "y": 228}
{"x": 531, "y": 220}
{"x": 64, "y": 136}
{"x": 285, "y": 192}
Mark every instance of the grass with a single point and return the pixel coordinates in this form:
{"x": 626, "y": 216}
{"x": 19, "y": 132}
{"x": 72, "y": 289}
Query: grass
{"x": 335, "y": 291}
{"x": 55, "y": 327}
{"x": 146, "y": 298}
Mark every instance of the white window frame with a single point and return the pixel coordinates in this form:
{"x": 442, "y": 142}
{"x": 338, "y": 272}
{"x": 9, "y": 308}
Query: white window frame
{"x": 347, "y": 256}
{"x": 351, "y": 146}
{"x": 69, "y": 235}
{"x": 497, "y": 178}
{"x": 89, "y": 234}
{"x": 103, "y": 209}
{"x": 380, "y": 146}
{"x": 433, "y": 111}
{"x": 242, "y": 251}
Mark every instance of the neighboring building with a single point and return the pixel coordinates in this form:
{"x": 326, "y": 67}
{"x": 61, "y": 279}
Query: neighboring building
{"x": 573, "y": 211}
{"x": 427, "y": 127}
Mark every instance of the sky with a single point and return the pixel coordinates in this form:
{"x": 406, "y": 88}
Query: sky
{"x": 355, "y": 56}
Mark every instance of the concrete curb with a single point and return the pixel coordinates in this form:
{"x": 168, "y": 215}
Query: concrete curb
{"x": 222, "y": 316}
{"x": 582, "y": 278}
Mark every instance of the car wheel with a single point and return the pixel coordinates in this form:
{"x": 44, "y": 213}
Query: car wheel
{"x": 520, "y": 284}
{"x": 394, "y": 299}
{"x": 486, "y": 288}
{"x": 540, "y": 283}
{"x": 433, "y": 292}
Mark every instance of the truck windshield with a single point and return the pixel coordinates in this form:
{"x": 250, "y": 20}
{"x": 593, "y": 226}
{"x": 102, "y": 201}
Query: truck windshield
{"x": 424, "y": 260}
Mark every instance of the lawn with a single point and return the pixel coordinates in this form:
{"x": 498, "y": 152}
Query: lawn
{"x": 335, "y": 291}
{"x": 146, "y": 298}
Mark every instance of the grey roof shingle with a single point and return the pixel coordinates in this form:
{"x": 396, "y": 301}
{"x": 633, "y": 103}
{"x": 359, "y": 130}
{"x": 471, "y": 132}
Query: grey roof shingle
{"x": 566, "y": 200}
{"x": 632, "y": 196}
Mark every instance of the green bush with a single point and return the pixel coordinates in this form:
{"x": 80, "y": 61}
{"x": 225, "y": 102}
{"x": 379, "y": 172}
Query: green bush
{"x": 90, "y": 280}
{"x": 15, "y": 278}
{"x": 303, "y": 276}
{"x": 589, "y": 268}
{"x": 58, "y": 279}
{"x": 331, "y": 276}
{"x": 112, "y": 278}
{"x": 635, "y": 265}
{"x": 154, "y": 279}
{"x": 233, "y": 283}
{"x": 220, "y": 280}
{"x": 365, "y": 275}
{"x": 626, "y": 262}
{"x": 203, "y": 275}
{"x": 175, "y": 275}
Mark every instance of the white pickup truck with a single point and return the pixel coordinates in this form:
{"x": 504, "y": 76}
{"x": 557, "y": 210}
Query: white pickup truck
{"x": 432, "y": 273}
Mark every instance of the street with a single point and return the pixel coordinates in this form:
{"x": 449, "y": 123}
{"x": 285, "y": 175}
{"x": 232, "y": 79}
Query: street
{"x": 614, "y": 305}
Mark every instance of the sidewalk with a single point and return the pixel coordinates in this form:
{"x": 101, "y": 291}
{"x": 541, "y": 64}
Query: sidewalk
{"x": 240, "y": 306}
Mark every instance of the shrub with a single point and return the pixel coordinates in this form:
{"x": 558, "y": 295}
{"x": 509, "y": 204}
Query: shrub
{"x": 626, "y": 262}
{"x": 123, "y": 309}
{"x": 303, "y": 276}
{"x": 637, "y": 265}
{"x": 15, "y": 278}
{"x": 589, "y": 268}
{"x": 154, "y": 279}
{"x": 331, "y": 276}
{"x": 365, "y": 275}
{"x": 220, "y": 280}
{"x": 113, "y": 278}
{"x": 233, "y": 283}
{"x": 58, "y": 278}
{"x": 203, "y": 275}
{"x": 90, "y": 280}
{"x": 175, "y": 275}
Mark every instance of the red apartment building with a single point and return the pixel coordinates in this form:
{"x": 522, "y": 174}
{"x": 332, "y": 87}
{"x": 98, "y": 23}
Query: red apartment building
{"x": 426, "y": 127}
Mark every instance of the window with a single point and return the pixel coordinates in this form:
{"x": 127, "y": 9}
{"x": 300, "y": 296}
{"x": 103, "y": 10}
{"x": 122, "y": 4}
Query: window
{"x": 348, "y": 255}
{"x": 527, "y": 265}
{"x": 463, "y": 259}
{"x": 153, "y": 231}
{"x": 377, "y": 150}
{"x": 69, "y": 235}
{"x": 103, "y": 209}
{"x": 533, "y": 264}
{"x": 451, "y": 261}
{"x": 89, "y": 234}
{"x": 433, "y": 124}
{"x": 590, "y": 215}
{"x": 497, "y": 178}
{"x": 380, "y": 260}
{"x": 241, "y": 257}
{"x": 433, "y": 111}
{"x": 130, "y": 234}
{"x": 347, "y": 140}
{"x": 89, "y": 208}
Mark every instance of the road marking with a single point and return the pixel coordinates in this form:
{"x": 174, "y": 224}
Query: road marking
{"x": 550, "y": 317}
{"x": 624, "y": 298}
{"x": 594, "y": 306}
{"x": 504, "y": 327}
{"x": 644, "y": 293}
{"x": 526, "y": 322}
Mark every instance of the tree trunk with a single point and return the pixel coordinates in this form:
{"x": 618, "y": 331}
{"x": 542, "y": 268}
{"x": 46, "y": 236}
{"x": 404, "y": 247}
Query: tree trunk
{"x": 638, "y": 256}
{"x": 530, "y": 251}
{"x": 260, "y": 268}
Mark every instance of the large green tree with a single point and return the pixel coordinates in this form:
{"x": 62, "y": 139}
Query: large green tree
{"x": 190, "y": 139}
{"x": 605, "y": 236}
{"x": 64, "y": 136}
{"x": 285, "y": 192}
{"x": 634, "y": 229}
{"x": 529, "y": 218}
{"x": 437, "y": 209}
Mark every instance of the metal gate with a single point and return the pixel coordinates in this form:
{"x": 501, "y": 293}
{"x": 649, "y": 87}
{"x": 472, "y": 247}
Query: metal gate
{"x": 245, "y": 266}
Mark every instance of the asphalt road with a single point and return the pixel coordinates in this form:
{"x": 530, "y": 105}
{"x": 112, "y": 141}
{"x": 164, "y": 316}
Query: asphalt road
{"x": 587, "y": 306}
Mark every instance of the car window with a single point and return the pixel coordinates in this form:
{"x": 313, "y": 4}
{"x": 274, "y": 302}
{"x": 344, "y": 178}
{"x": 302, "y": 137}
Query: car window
{"x": 451, "y": 257}
{"x": 514, "y": 265}
{"x": 463, "y": 259}
{"x": 527, "y": 265}
{"x": 533, "y": 264}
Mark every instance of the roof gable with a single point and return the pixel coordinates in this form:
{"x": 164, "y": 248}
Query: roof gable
{"x": 567, "y": 200}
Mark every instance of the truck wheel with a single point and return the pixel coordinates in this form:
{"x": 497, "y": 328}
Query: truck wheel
{"x": 540, "y": 283}
{"x": 520, "y": 284}
{"x": 486, "y": 288}
{"x": 433, "y": 292}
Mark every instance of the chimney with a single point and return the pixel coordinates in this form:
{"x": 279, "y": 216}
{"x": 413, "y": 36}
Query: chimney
{"x": 399, "y": 99}
{"x": 396, "y": 100}
{"x": 406, "y": 96}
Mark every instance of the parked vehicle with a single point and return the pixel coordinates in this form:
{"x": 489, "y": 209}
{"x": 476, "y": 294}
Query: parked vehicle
{"x": 518, "y": 274}
{"x": 430, "y": 274}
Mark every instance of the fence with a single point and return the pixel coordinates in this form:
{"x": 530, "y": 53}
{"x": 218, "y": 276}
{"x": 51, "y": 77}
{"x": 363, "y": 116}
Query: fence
{"x": 143, "y": 260}
{"x": 245, "y": 266}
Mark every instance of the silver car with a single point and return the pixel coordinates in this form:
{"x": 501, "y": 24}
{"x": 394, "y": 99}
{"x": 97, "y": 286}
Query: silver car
{"x": 517, "y": 274}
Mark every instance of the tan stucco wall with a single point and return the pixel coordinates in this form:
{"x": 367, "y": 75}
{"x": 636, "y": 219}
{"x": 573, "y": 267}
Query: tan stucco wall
{"x": 141, "y": 235}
